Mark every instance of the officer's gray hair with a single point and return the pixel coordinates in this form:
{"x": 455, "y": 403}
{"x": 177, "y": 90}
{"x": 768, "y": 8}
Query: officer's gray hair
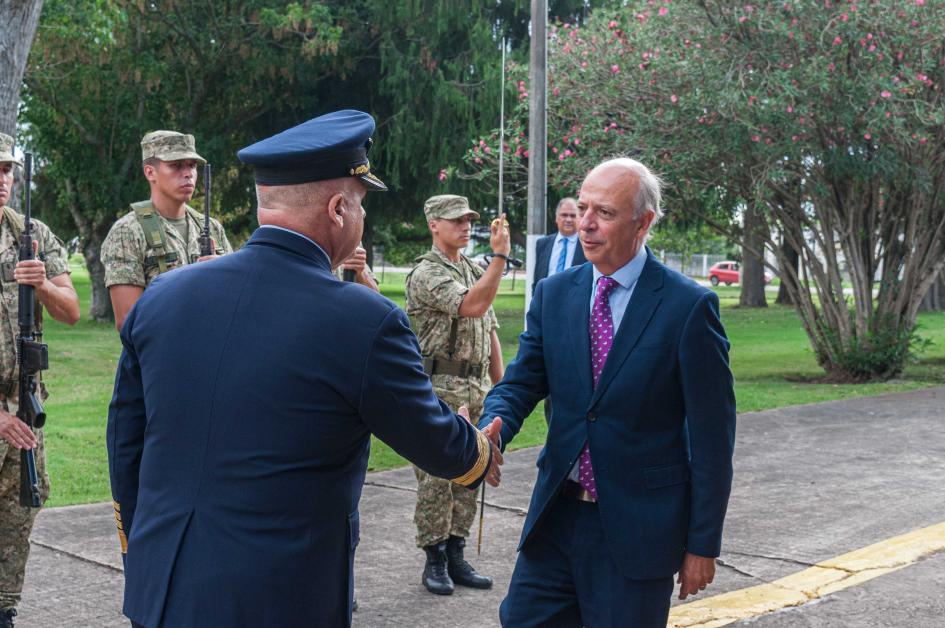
{"x": 650, "y": 186}
{"x": 563, "y": 202}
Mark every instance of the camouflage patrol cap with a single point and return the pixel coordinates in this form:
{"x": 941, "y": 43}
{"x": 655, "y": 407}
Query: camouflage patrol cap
{"x": 169, "y": 146}
{"x": 448, "y": 206}
{"x": 6, "y": 150}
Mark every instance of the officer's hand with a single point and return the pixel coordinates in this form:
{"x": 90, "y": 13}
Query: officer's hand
{"x": 492, "y": 431}
{"x": 16, "y": 432}
{"x": 31, "y": 272}
{"x": 500, "y": 240}
{"x": 357, "y": 261}
{"x": 696, "y": 573}
{"x": 464, "y": 412}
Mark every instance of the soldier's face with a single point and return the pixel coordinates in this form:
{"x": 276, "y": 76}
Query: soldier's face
{"x": 452, "y": 233}
{"x": 173, "y": 179}
{"x": 6, "y": 181}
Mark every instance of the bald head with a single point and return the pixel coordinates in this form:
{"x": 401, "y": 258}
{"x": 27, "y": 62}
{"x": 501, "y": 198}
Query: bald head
{"x": 329, "y": 212}
{"x": 644, "y": 188}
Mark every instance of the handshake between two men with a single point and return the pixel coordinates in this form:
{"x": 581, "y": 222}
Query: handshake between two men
{"x": 492, "y": 432}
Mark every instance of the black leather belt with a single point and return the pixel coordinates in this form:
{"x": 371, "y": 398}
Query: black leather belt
{"x": 460, "y": 368}
{"x": 576, "y": 491}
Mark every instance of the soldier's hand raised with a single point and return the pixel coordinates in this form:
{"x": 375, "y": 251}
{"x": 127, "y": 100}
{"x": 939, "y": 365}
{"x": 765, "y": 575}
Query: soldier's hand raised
{"x": 500, "y": 239}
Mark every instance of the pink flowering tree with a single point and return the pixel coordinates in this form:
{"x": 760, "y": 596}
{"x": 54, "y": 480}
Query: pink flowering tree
{"x": 821, "y": 123}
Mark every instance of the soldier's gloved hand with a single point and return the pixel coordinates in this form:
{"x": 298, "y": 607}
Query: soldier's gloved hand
{"x": 501, "y": 239}
{"x": 31, "y": 272}
{"x": 16, "y": 432}
{"x": 492, "y": 431}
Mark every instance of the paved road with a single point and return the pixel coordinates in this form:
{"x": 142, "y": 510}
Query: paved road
{"x": 811, "y": 482}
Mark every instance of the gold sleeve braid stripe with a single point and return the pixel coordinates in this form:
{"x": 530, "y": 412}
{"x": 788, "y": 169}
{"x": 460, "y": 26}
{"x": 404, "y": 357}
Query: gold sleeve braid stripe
{"x": 121, "y": 528}
{"x": 482, "y": 462}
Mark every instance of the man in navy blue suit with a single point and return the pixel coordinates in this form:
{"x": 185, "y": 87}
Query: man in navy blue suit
{"x": 559, "y": 251}
{"x": 634, "y": 479}
{"x": 245, "y": 397}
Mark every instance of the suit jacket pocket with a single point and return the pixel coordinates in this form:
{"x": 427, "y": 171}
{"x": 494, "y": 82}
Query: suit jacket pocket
{"x": 658, "y": 477}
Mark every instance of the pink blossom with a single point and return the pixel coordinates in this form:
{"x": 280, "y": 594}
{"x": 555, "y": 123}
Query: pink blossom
{"x": 615, "y": 68}
{"x": 583, "y": 64}
{"x": 867, "y": 136}
{"x": 442, "y": 175}
{"x": 567, "y": 152}
{"x": 831, "y": 67}
{"x": 674, "y": 98}
{"x": 576, "y": 141}
{"x": 743, "y": 19}
{"x": 482, "y": 142}
{"x": 663, "y": 11}
{"x": 920, "y": 2}
{"x": 526, "y": 154}
{"x": 487, "y": 150}
{"x": 837, "y": 41}
{"x": 754, "y": 138}
{"x": 554, "y": 149}
{"x": 556, "y": 91}
{"x": 478, "y": 160}
{"x": 790, "y": 109}
{"x": 612, "y": 24}
{"x": 885, "y": 93}
{"x": 561, "y": 157}
{"x": 922, "y": 140}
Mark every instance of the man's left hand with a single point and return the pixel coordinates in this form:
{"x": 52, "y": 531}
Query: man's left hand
{"x": 695, "y": 575}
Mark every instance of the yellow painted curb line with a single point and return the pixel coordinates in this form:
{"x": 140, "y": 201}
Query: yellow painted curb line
{"x": 826, "y": 577}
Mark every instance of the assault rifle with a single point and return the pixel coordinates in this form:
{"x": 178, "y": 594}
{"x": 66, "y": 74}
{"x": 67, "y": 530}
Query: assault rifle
{"x": 206, "y": 242}
{"x": 32, "y": 357}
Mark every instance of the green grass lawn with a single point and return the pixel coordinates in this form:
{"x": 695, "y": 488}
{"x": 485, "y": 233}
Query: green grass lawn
{"x": 771, "y": 359}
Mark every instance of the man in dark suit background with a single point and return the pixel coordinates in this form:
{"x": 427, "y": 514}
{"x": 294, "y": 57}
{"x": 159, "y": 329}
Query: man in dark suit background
{"x": 559, "y": 251}
{"x": 634, "y": 479}
{"x": 245, "y": 397}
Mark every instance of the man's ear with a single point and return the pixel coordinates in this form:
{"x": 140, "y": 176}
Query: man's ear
{"x": 336, "y": 210}
{"x": 148, "y": 172}
{"x": 432, "y": 226}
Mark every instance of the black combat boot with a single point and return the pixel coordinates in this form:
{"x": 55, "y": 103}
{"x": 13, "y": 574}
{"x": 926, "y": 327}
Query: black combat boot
{"x": 460, "y": 571}
{"x": 435, "y": 578}
{"x": 6, "y": 617}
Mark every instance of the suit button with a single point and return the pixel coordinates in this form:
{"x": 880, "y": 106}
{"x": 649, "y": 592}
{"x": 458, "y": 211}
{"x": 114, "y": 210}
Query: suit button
{"x": 591, "y": 416}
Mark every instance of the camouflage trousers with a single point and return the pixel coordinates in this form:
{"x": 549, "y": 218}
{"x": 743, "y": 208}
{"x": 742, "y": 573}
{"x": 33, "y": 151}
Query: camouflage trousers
{"x": 16, "y": 521}
{"x": 443, "y": 508}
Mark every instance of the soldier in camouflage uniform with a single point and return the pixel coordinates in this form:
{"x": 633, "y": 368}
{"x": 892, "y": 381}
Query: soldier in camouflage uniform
{"x": 49, "y": 274}
{"x": 163, "y": 233}
{"x": 449, "y": 302}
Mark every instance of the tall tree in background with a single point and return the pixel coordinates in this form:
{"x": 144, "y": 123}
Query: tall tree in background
{"x": 828, "y": 119}
{"x": 18, "y": 20}
{"x": 105, "y": 72}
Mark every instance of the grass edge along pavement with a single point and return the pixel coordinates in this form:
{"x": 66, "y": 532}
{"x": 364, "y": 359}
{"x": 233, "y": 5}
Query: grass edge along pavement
{"x": 771, "y": 358}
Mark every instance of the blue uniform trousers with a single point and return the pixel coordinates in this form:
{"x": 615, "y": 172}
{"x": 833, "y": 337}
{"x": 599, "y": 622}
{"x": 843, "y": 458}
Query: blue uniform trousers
{"x": 566, "y": 576}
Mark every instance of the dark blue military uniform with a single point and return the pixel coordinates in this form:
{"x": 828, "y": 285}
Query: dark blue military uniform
{"x": 239, "y": 433}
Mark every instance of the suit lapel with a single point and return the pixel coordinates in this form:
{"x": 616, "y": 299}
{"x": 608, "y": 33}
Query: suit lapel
{"x": 579, "y": 313}
{"x": 640, "y": 309}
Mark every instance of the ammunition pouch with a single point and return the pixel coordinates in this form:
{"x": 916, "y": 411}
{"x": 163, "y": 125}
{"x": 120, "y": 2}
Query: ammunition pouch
{"x": 459, "y": 368}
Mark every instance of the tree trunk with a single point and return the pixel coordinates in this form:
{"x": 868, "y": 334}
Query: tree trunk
{"x": 100, "y": 308}
{"x": 753, "y": 270}
{"x": 18, "y": 21}
{"x": 934, "y": 299}
{"x": 784, "y": 295}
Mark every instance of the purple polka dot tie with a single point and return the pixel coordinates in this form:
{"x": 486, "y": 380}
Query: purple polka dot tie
{"x": 602, "y": 337}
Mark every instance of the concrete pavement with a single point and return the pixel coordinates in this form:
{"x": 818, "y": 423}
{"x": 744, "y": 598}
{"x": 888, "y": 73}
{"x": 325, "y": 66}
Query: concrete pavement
{"x": 811, "y": 482}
